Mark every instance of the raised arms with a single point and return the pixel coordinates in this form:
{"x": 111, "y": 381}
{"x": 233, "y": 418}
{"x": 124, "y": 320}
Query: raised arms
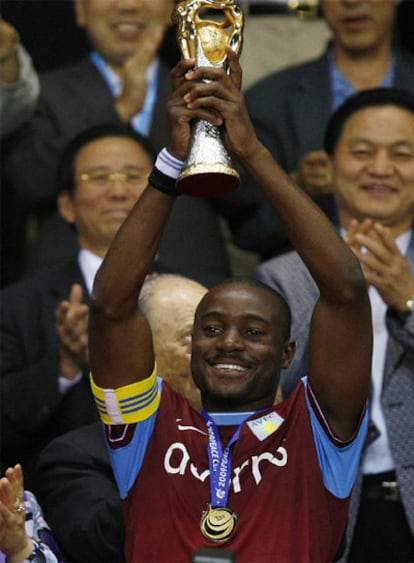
{"x": 340, "y": 342}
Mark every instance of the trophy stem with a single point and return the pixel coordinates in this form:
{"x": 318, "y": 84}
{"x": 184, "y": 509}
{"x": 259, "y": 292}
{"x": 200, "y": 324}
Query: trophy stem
{"x": 208, "y": 170}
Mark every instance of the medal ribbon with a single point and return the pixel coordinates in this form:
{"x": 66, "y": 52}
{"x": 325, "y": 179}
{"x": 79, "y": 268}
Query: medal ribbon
{"x": 219, "y": 461}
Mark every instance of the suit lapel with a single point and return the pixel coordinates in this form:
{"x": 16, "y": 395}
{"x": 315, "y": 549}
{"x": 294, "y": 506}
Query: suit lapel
{"x": 159, "y": 127}
{"x": 311, "y": 106}
{"x": 63, "y": 279}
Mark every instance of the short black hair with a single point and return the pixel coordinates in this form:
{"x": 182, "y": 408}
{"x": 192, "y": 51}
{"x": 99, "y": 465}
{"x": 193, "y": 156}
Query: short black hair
{"x": 66, "y": 170}
{"x": 373, "y": 97}
{"x": 286, "y": 314}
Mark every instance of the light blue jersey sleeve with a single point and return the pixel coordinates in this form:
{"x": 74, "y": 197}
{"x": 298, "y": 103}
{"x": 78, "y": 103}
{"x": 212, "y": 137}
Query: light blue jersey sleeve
{"x": 339, "y": 464}
{"x": 127, "y": 460}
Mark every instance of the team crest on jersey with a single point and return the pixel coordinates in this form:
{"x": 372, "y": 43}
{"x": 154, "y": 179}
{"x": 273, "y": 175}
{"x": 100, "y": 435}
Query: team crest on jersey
{"x": 265, "y": 425}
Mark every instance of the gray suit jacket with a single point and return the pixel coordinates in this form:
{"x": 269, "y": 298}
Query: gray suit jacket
{"x": 288, "y": 275}
{"x": 290, "y": 110}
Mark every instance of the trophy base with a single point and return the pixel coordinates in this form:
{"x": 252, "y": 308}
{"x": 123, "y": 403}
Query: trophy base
{"x": 205, "y": 180}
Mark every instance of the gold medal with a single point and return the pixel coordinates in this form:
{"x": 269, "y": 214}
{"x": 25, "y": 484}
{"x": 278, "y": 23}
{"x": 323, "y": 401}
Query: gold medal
{"x": 217, "y": 524}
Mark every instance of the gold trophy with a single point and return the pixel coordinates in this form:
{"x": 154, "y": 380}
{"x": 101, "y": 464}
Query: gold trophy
{"x": 204, "y": 28}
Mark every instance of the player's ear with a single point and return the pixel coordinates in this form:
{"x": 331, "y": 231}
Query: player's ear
{"x": 288, "y": 354}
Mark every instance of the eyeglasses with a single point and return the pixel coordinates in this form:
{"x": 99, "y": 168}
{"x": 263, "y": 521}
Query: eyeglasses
{"x": 105, "y": 179}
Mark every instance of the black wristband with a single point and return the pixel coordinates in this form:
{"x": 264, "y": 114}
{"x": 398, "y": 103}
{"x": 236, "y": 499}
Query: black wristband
{"x": 163, "y": 183}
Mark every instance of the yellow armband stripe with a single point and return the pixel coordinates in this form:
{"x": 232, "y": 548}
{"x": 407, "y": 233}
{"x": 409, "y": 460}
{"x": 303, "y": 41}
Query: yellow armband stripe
{"x": 129, "y": 404}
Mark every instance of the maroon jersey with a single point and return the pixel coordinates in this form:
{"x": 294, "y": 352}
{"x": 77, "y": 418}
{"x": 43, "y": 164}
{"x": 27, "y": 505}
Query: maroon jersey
{"x": 285, "y": 512}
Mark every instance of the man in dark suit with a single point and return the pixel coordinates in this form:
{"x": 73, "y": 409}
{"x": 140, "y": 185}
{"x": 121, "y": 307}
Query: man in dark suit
{"x": 290, "y": 108}
{"x": 370, "y": 140}
{"x": 44, "y": 358}
{"x": 121, "y": 81}
{"x": 75, "y": 478}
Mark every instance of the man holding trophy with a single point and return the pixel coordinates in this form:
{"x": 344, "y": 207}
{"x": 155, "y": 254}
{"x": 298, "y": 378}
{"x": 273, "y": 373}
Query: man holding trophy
{"x": 266, "y": 482}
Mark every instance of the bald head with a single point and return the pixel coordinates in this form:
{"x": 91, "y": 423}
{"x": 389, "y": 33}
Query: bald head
{"x": 169, "y": 302}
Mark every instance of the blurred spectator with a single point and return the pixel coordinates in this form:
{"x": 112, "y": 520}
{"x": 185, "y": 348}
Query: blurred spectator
{"x": 290, "y": 108}
{"x": 49, "y": 31}
{"x": 19, "y": 90}
{"x": 279, "y": 33}
{"x": 19, "y": 84}
{"x": 122, "y": 80}
{"x": 44, "y": 358}
{"x": 169, "y": 302}
{"x": 74, "y": 474}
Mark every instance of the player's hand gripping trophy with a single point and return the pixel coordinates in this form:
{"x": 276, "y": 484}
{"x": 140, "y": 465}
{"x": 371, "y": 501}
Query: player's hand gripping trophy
{"x": 204, "y": 28}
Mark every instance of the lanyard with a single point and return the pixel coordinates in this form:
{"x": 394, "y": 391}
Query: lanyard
{"x": 219, "y": 461}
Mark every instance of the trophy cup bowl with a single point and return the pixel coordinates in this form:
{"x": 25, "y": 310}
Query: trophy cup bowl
{"x": 204, "y": 28}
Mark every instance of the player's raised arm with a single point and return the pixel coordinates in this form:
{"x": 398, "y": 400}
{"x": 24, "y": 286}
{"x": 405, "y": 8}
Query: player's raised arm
{"x": 120, "y": 343}
{"x": 341, "y": 334}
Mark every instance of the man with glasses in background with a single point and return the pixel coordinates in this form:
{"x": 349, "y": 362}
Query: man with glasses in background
{"x": 44, "y": 359}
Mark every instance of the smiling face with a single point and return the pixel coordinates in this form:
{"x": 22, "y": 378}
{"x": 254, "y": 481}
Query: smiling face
{"x": 239, "y": 345}
{"x": 373, "y": 168}
{"x": 360, "y": 25}
{"x": 99, "y": 210}
{"x": 116, "y": 27}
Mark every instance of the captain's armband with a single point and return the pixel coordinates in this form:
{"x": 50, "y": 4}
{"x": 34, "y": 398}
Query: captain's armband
{"x": 129, "y": 404}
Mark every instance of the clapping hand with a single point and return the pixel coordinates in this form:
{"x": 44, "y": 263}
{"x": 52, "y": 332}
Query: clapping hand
{"x": 134, "y": 72}
{"x": 383, "y": 265}
{"x": 14, "y": 541}
{"x": 72, "y": 327}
